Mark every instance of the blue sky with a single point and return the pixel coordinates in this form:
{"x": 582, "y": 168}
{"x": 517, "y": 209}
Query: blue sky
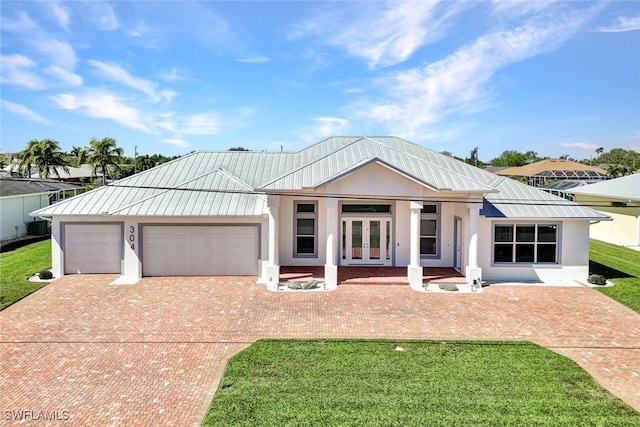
{"x": 171, "y": 77}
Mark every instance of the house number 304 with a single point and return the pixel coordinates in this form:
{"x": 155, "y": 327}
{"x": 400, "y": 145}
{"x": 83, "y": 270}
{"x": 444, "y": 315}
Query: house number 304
{"x": 132, "y": 237}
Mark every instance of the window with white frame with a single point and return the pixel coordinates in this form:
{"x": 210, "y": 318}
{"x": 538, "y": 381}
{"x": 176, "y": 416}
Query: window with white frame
{"x": 305, "y": 229}
{"x": 525, "y": 243}
{"x": 429, "y": 230}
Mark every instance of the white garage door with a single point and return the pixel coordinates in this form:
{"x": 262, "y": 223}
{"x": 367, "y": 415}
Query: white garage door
{"x": 180, "y": 250}
{"x": 92, "y": 248}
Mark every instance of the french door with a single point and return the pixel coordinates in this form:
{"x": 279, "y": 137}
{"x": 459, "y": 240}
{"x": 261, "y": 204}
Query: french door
{"x": 366, "y": 241}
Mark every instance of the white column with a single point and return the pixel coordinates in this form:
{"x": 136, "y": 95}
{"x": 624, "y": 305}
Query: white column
{"x": 473, "y": 273}
{"x": 330, "y": 267}
{"x": 57, "y": 257}
{"x": 273, "y": 263}
{"x": 414, "y": 270}
{"x": 132, "y": 265}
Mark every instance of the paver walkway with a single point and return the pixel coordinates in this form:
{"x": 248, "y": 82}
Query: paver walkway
{"x": 153, "y": 353}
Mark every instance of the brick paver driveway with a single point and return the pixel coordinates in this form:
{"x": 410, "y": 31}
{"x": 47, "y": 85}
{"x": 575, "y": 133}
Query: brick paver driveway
{"x": 153, "y": 353}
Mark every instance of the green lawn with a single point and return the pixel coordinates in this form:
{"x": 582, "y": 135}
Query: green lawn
{"x": 15, "y": 268}
{"x": 370, "y": 383}
{"x": 622, "y": 267}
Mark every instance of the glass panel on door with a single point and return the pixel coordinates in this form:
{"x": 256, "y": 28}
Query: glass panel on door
{"x": 374, "y": 239}
{"x": 366, "y": 241}
{"x": 356, "y": 239}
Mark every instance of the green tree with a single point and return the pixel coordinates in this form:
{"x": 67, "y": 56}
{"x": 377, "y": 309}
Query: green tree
{"x": 45, "y": 155}
{"x": 614, "y": 171}
{"x": 238, "y": 149}
{"x": 620, "y": 156}
{"x": 80, "y": 155}
{"x": 103, "y": 154}
{"x": 144, "y": 162}
{"x": 510, "y": 158}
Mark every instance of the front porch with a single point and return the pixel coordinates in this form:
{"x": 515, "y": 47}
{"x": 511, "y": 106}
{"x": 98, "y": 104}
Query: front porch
{"x": 371, "y": 275}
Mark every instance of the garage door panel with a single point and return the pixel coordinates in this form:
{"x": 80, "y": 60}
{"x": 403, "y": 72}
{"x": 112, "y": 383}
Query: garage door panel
{"x": 200, "y": 250}
{"x": 93, "y": 248}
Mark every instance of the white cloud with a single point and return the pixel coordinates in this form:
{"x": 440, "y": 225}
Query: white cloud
{"x": 201, "y": 124}
{"x": 98, "y": 103}
{"x": 115, "y": 72}
{"x": 176, "y": 142}
{"x": 254, "y": 59}
{"x": 324, "y": 127}
{"x": 140, "y": 30}
{"x": 519, "y": 8}
{"x": 23, "y": 111}
{"x": 171, "y": 76}
{"x": 623, "y": 23}
{"x": 59, "y": 52}
{"x": 19, "y": 25}
{"x": 103, "y": 15}
{"x": 581, "y": 145}
{"x": 382, "y": 34}
{"x": 68, "y": 78}
{"x": 419, "y": 98}
{"x": 17, "y": 70}
{"x": 61, "y": 14}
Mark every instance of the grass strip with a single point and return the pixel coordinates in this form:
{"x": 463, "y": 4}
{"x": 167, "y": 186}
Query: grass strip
{"x": 353, "y": 383}
{"x": 621, "y": 266}
{"x": 17, "y": 266}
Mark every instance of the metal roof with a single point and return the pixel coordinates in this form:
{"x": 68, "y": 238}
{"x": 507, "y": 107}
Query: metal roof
{"x": 626, "y": 187}
{"x": 236, "y": 182}
{"x": 23, "y": 186}
{"x": 520, "y": 201}
{"x": 335, "y": 160}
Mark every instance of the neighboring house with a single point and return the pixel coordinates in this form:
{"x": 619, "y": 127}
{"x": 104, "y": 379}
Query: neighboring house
{"x": 72, "y": 174}
{"x": 563, "y": 187}
{"x": 620, "y": 199}
{"x": 343, "y": 201}
{"x": 18, "y": 197}
{"x": 539, "y": 173}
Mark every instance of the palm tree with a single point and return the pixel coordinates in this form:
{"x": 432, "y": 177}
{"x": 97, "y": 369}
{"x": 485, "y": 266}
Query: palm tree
{"x": 102, "y": 154}
{"x": 144, "y": 162}
{"x": 80, "y": 154}
{"x": 43, "y": 154}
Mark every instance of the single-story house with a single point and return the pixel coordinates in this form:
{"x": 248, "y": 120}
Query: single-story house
{"x": 620, "y": 199}
{"x": 345, "y": 201}
{"x": 544, "y": 171}
{"x": 19, "y": 197}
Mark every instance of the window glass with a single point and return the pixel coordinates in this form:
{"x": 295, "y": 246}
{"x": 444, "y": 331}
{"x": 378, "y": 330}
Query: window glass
{"x": 504, "y": 233}
{"x": 525, "y": 253}
{"x": 429, "y": 230}
{"x": 362, "y": 208}
{"x": 428, "y": 246}
{"x": 503, "y": 253}
{"x": 306, "y": 226}
{"x": 428, "y": 227}
{"x": 525, "y": 233}
{"x": 306, "y": 207}
{"x": 429, "y": 209}
{"x": 525, "y": 243}
{"x": 547, "y": 233}
{"x": 305, "y": 229}
{"x": 305, "y": 245}
{"x": 546, "y": 253}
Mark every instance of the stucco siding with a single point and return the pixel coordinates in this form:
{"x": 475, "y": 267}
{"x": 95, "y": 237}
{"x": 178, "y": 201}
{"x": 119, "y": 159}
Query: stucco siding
{"x": 623, "y": 230}
{"x": 573, "y": 255}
